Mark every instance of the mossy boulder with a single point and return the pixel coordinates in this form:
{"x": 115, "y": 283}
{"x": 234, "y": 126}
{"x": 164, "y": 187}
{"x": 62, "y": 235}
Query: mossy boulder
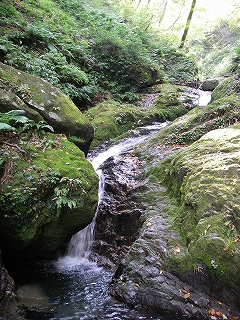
{"x": 198, "y": 121}
{"x": 38, "y": 98}
{"x": 204, "y": 178}
{"x": 210, "y": 84}
{"x": 186, "y": 260}
{"x": 49, "y": 191}
{"x": 227, "y": 87}
{"x": 111, "y": 119}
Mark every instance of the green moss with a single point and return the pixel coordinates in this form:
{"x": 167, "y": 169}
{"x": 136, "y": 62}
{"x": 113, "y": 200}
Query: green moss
{"x": 51, "y": 183}
{"x": 43, "y": 94}
{"x": 203, "y": 178}
{"x": 111, "y": 119}
{"x": 181, "y": 263}
{"x": 223, "y": 89}
{"x": 191, "y": 127}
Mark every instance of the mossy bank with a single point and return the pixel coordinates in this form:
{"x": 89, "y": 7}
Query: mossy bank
{"x": 48, "y": 193}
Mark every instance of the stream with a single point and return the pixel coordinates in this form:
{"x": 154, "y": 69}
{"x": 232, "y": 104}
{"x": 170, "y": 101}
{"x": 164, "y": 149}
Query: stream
{"x": 75, "y": 287}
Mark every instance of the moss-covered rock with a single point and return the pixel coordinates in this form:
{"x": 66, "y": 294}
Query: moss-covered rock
{"x": 111, "y": 119}
{"x": 186, "y": 260}
{"x": 48, "y": 193}
{"x": 40, "y": 99}
{"x": 210, "y": 84}
{"x": 204, "y": 177}
{"x": 197, "y": 122}
{"x": 227, "y": 87}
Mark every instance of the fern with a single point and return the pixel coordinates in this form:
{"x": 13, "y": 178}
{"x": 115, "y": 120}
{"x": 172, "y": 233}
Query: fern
{"x": 6, "y": 127}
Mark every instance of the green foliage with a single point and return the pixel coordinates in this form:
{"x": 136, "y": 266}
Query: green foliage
{"x": 38, "y": 129}
{"x": 15, "y": 120}
{"x": 84, "y": 48}
{"x": 12, "y": 119}
{"x": 216, "y": 54}
{"x": 179, "y": 67}
{"x": 64, "y": 193}
{"x": 6, "y": 127}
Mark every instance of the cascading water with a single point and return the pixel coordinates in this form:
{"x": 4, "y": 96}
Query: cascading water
{"x": 85, "y": 295}
{"x": 79, "y": 248}
{"x": 195, "y": 97}
{"x": 74, "y": 287}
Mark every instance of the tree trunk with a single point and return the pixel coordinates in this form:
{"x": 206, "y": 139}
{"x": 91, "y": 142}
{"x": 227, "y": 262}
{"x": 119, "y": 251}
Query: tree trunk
{"x": 187, "y": 24}
{"x": 163, "y": 12}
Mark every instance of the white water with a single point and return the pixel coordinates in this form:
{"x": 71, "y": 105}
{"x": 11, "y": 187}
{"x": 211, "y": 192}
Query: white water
{"x": 204, "y": 98}
{"x": 79, "y": 248}
{"x": 199, "y": 97}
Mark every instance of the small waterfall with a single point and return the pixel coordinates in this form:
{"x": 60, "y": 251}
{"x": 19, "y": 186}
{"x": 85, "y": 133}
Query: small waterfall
{"x": 79, "y": 248}
{"x": 81, "y": 243}
{"x": 195, "y": 97}
{"x": 204, "y": 98}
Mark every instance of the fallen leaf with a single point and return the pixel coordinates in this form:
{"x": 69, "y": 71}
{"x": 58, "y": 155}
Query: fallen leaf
{"x": 187, "y": 295}
{"x": 176, "y": 251}
{"x": 212, "y": 311}
{"x": 136, "y": 285}
{"x": 208, "y": 227}
{"x": 184, "y": 291}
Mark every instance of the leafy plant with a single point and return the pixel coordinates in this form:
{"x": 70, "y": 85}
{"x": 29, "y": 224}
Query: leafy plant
{"x": 64, "y": 193}
{"x": 36, "y": 128}
{"x": 13, "y": 119}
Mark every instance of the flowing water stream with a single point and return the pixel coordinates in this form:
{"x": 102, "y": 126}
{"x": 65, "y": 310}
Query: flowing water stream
{"x": 74, "y": 287}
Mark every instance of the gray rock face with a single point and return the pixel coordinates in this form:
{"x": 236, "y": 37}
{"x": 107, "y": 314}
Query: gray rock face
{"x": 181, "y": 262}
{"x": 42, "y": 100}
{"x": 210, "y": 84}
{"x": 144, "y": 279}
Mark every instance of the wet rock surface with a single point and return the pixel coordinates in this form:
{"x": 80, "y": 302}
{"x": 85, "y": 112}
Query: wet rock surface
{"x": 135, "y": 230}
{"x": 158, "y": 272}
{"x": 118, "y": 217}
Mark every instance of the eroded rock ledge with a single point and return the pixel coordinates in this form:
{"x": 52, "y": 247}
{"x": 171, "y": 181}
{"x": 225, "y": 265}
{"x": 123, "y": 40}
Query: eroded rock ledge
{"x": 186, "y": 260}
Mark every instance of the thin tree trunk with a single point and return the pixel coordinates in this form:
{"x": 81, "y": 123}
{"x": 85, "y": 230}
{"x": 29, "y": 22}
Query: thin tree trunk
{"x": 138, "y": 3}
{"x": 187, "y": 24}
{"x": 163, "y": 12}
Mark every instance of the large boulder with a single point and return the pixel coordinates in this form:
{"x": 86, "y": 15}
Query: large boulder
{"x": 38, "y": 98}
{"x": 210, "y": 84}
{"x": 186, "y": 260}
{"x": 48, "y": 192}
{"x": 227, "y": 87}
